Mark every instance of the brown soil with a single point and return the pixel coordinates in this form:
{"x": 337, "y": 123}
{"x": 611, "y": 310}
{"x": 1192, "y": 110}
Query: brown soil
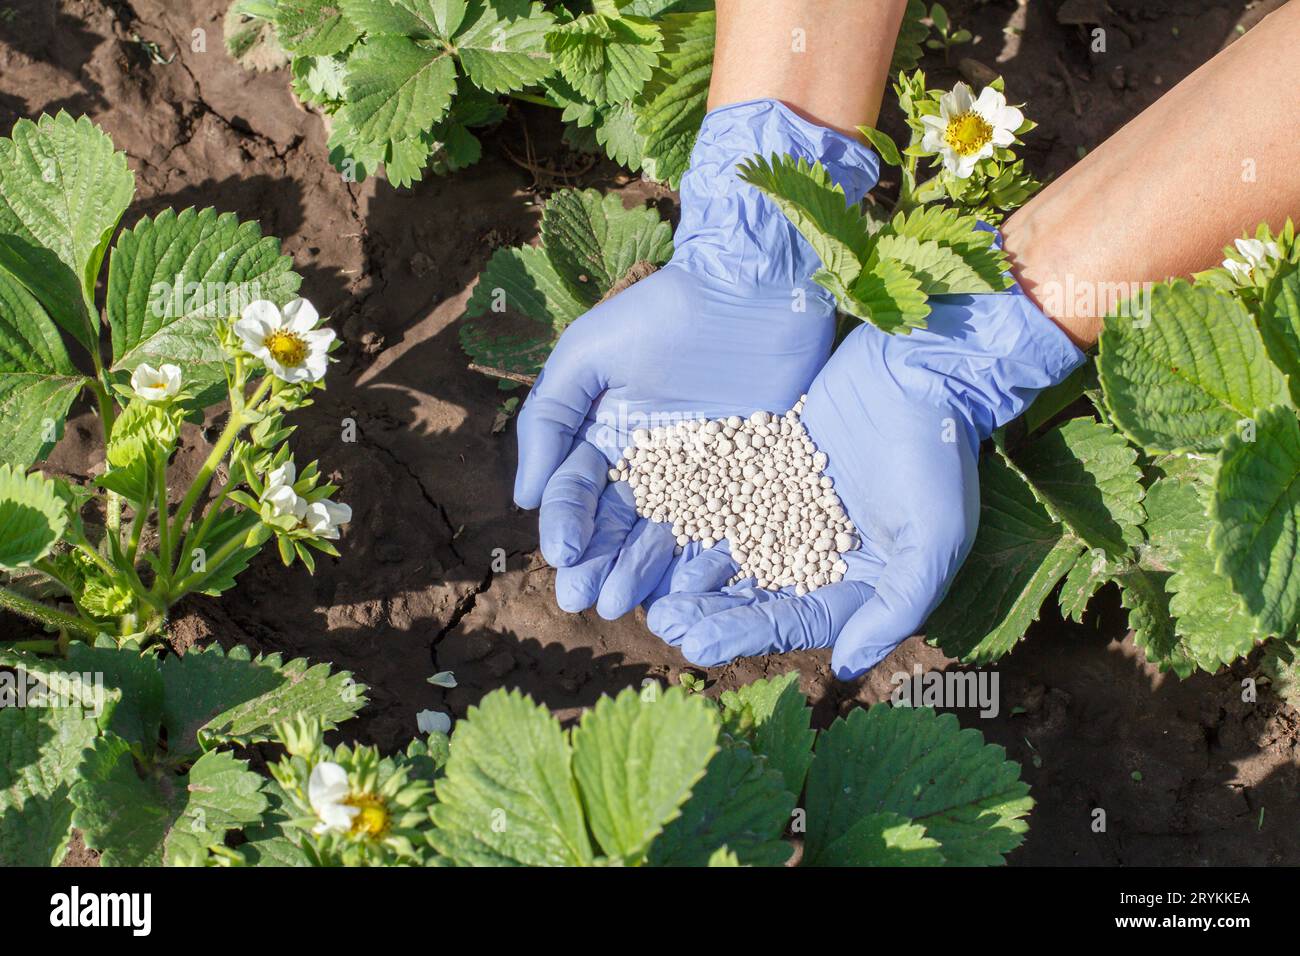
{"x": 430, "y": 481}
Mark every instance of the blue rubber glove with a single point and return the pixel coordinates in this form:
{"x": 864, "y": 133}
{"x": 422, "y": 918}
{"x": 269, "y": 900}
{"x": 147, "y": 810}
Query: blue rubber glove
{"x": 730, "y": 325}
{"x": 901, "y": 418}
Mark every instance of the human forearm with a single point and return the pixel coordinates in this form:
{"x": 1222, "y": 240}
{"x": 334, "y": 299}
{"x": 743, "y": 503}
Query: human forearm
{"x": 826, "y": 59}
{"x": 1215, "y": 156}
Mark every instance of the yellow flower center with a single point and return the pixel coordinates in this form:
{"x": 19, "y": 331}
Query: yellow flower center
{"x": 287, "y": 348}
{"x": 968, "y": 133}
{"x": 372, "y": 821}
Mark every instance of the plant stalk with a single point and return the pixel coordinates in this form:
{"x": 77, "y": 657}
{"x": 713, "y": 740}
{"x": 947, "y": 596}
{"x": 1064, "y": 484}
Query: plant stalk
{"x": 44, "y": 614}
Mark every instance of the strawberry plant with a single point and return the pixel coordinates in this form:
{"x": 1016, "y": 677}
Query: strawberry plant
{"x": 402, "y": 83}
{"x": 200, "y": 309}
{"x": 658, "y": 778}
{"x": 1180, "y": 491}
{"x": 882, "y": 265}
{"x": 591, "y": 248}
{"x": 139, "y": 764}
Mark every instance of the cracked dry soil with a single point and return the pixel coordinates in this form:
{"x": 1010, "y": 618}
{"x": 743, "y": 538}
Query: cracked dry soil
{"x": 415, "y": 591}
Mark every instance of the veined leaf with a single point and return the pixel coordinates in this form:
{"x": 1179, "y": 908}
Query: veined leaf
{"x": 592, "y": 241}
{"x": 1212, "y": 623}
{"x": 409, "y": 18}
{"x": 1256, "y": 509}
{"x": 502, "y": 44}
{"x": 1280, "y": 324}
{"x": 1182, "y": 380}
{"x": 985, "y": 264}
{"x": 37, "y": 379}
{"x": 921, "y": 769}
{"x": 887, "y": 294}
{"x": 161, "y": 817}
{"x": 32, "y": 515}
{"x": 1091, "y": 570}
{"x": 63, "y": 189}
{"x": 817, "y": 207}
{"x": 508, "y": 797}
{"x": 397, "y": 87}
{"x": 40, "y": 751}
{"x": 674, "y": 102}
{"x": 173, "y": 276}
{"x": 912, "y": 34}
{"x": 250, "y": 37}
{"x": 606, "y": 60}
{"x": 1086, "y": 474}
{"x": 212, "y": 698}
{"x": 740, "y": 804}
{"x": 1018, "y": 556}
{"x": 774, "y": 717}
{"x": 636, "y": 762}
{"x": 313, "y": 27}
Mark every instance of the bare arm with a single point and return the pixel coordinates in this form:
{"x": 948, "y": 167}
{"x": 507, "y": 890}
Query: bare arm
{"x": 1162, "y": 196}
{"x": 826, "y": 59}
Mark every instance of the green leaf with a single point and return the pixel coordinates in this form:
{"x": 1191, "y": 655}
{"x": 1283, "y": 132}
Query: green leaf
{"x": 774, "y": 717}
{"x": 173, "y": 276}
{"x": 817, "y": 207}
{"x": 508, "y": 797}
{"x": 212, "y": 698}
{"x": 265, "y": 842}
{"x": 32, "y": 515}
{"x": 740, "y": 804}
{"x": 1256, "y": 509}
{"x": 984, "y": 263}
{"x": 33, "y": 401}
{"x": 397, "y": 88}
{"x": 250, "y": 37}
{"x": 911, "y": 34}
{"x": 161, "y": 817}
{"x": 410, "y": 18}
{"x": 1145, "y": 594}
{"x": 1279, "y": 325}
{"x": 40, "y": 751}
{"x": 313, "y": 27}
{"x": 920, "y": 768}
{"x": 883, "y": 144}
{"x": 674, "y": 102}
{"x": 883, "y": 839}
{"x": 1018, "y": 556}
{"x": 63, "y": 189}
{"x": 502, "y": 44}
{"x": 636, "y": 761}
{"x": 1182, "y": 380}
{"x": 592, "y": 241}
{"x": 887, "y": 294}
{"x": 1090, "y": 571}
{"x": 137, "y": 717}
{"x": 1212, "y": 623}
{"x": 1087, "y": 475}
{"x": 606, "y": 60}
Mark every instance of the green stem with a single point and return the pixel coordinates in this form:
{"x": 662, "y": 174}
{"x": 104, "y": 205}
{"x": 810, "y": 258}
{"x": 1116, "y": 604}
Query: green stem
{"x": 48, "y": 646}
{"x": 533, "y": 98}
{"x": 137, "y": 529}
{"x": 212, "y": 565}
{"x": 43, "y": 613}
{"x": 106, "y": 412}
{"x": 219, "y": 452}
{"x": 194, "y": 539}
{"x": 164, "y": 526}
{"x": 89, "y": 550}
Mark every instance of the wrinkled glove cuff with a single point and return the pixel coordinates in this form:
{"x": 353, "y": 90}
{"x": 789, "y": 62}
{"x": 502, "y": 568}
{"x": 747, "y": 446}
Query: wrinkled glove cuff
{"x": 731, "y": 231}
{"x": 997, "y": 360}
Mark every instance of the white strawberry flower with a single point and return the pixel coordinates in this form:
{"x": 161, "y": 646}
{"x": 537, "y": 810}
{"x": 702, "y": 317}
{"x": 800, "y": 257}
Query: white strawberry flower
{"x": 967, "y": 129}
{"x": 328, "y": 792}
{"x": 323, "y": 518}
{"x": 156, "y": 384}
{"x": 433, "y": 722}
{"x": 286, "y": 340}
{"x": 1256, "y": 253}
{"x": 279, "y": 493}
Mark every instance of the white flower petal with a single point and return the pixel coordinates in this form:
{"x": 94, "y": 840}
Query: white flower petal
{"x": 328, "y": 784}
{"x": 989, "y": 103}
{"x": 1008, "y": 117}
{"x": 300, "y": 316}
{"x": 443, "y": 679}
{"x": 433, "y": 722}
{"x": 960, "y": 100}
{"x": 267, "y": 313}
{"x": 253, "y": 333}
{"x": 286, "y": 474}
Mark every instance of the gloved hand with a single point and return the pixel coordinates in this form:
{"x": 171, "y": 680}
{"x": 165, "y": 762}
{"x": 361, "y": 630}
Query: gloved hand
{"x": 730, "y": 325}
{"x": 900, "y": 418}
